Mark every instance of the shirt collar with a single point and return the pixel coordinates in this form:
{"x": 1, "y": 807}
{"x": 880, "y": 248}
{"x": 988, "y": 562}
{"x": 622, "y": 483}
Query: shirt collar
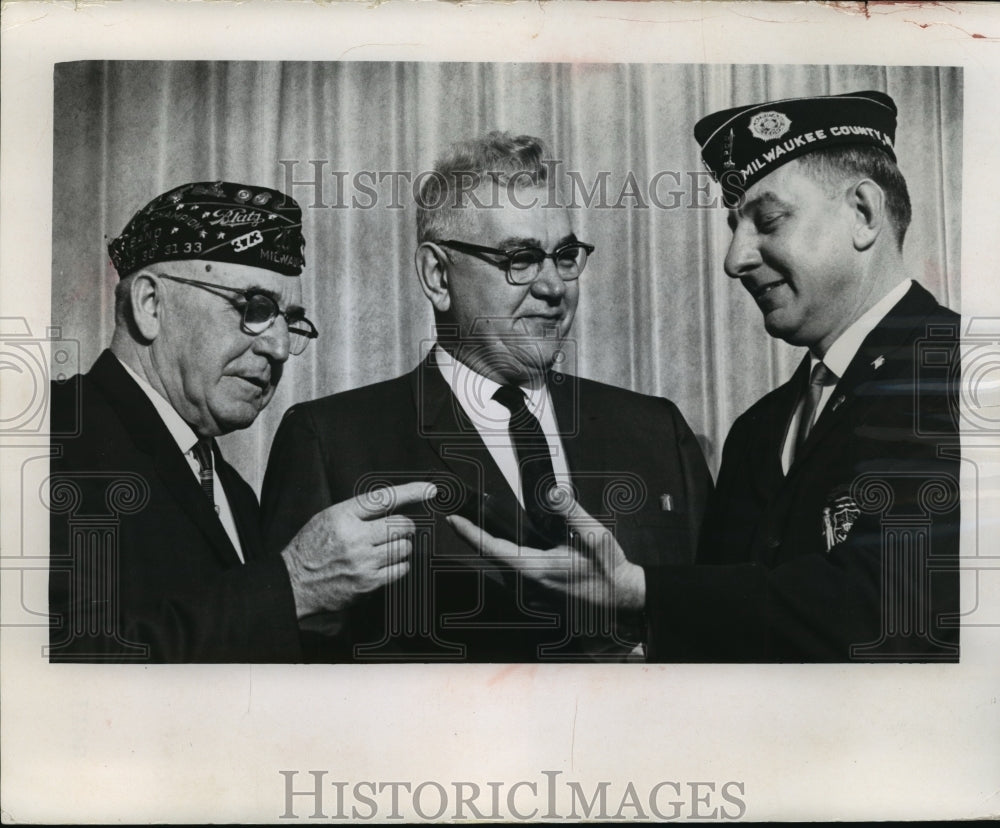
{"x": 476, "y": 391}
{"x": 841, "y": 352}
{"x": 182, "y": 433}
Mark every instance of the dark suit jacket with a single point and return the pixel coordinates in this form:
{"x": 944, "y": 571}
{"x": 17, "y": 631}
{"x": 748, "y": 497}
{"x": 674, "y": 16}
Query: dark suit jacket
{"x": 853, "y": 554}
{"x": 141, "y": 567}
{"x": 633, "y": 460}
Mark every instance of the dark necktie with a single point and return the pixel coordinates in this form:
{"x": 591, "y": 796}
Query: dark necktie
{"x": 820, "y": 378}
{"x": 534, "y": 462}
{"x": 203, "y": 454}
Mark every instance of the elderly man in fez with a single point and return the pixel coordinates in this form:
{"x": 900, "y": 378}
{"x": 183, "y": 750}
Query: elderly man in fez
{"x": 155, "y": 539}
{"x": 493, "y": 420}
{"x": 833, "y": 531}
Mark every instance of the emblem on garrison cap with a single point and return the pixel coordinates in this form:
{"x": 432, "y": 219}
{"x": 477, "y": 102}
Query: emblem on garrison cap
{"x": 767, "y": 126}
{"x": 839, "y": 516}
{"x": 213, "y": 221}
{"x": 727, "y": 151}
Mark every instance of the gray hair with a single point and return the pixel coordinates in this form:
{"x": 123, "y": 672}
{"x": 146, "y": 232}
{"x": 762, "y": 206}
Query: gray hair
{"x": 833, "y": 164}
{"x": 498, "y": 158}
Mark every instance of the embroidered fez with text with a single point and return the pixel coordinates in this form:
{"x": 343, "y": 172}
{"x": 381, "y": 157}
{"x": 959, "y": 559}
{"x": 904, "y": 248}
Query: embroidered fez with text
{"x": 218, "y": 221}
{"x": 742, "y": 145}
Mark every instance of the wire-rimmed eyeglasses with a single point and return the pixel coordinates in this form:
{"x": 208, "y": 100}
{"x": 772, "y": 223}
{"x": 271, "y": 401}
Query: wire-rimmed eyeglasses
{"x": 259, "y": 312}
{"x": 523, "y": 264}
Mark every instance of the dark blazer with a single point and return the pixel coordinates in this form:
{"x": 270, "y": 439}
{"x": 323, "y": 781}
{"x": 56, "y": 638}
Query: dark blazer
{"x": 141, "y": 567}
{"x": 853, "y": 554}
{"x": 634, "y": 462}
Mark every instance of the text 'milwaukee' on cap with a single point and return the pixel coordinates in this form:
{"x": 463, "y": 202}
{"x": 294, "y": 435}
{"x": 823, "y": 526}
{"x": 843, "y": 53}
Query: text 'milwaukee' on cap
{"x": 218, "y": 221}
{"x": 743, "y": 144}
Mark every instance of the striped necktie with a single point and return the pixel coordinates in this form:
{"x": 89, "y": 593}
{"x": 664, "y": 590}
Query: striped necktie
{"x": 203, "y": 454}
{"x": 820, "y": 378}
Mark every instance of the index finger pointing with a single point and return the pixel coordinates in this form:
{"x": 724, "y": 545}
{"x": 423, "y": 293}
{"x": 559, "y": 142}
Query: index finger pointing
{"x": 379, "y": 502}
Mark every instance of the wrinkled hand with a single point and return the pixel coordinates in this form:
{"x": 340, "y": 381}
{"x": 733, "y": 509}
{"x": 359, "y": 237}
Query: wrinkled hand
{"x": 592, "y": 568}
{"x": 352, "y": 548}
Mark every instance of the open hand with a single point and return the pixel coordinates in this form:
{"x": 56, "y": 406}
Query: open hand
{"x": 592, "y": 567}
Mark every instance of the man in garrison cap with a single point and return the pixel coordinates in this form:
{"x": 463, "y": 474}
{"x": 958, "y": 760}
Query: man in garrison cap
{"x": 155, "y": 541}
{"x": 493, "y": 419}
{"x": 833, "y": 531}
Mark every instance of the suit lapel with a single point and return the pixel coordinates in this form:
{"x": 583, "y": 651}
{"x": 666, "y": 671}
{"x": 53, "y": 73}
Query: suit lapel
{"x": 785, "y": 402}
{"x": 883, "y": 353}
{"x": 581, "y": 432}
{"x": 455, "y": 440}
{"x": 246, "y": 513}
{"x": 152, "y": 437}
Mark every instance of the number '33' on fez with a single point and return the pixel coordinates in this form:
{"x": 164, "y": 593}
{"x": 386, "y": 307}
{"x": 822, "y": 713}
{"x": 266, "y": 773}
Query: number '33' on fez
{"x": 218, "y": 221}
{"x": 743, "y": 144}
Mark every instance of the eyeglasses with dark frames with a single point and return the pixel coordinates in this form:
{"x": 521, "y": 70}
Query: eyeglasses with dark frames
{"x": 259, "y": 312}
{"x": 524, "y": 264}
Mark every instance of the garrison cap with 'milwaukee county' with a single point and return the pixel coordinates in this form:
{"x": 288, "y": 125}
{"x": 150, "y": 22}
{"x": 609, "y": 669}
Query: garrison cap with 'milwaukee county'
{"x": 218, "y": 221}
{"x": 743, "y": 144}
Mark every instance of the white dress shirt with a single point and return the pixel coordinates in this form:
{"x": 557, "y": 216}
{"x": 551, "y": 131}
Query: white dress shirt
{"x": 839, "y": 357}
{"x": 186, "y": 440}
{"x": 474, "y": 393}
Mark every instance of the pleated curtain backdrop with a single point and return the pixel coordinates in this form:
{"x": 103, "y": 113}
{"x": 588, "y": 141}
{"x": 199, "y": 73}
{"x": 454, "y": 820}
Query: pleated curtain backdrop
{"x": 657, "y": 314}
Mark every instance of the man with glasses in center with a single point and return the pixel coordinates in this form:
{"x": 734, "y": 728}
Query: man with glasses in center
{"x": 491, "y": 417}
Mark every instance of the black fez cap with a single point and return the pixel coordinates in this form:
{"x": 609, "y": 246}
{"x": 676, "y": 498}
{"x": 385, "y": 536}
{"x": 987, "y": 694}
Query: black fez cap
{"x": 743, "y": 144}
{"x": 218, "y": 221}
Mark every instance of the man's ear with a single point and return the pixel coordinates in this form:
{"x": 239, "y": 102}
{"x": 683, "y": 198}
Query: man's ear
{"x": 432, "y": 270}
{"x": 146, "y": 298}
{"x": 867, "y": 200}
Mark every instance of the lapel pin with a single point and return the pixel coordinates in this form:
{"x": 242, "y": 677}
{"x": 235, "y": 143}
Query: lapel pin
{"x": 838, "y": 402}
{"x": 666, "y": 503}
{"x": 877, "y": 362}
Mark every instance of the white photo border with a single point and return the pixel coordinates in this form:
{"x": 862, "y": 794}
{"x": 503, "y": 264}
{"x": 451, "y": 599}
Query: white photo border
{"x": 92, "y": 743}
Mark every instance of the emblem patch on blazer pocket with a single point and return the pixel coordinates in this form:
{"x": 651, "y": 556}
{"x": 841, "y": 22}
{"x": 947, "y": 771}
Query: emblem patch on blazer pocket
{"x": 839, "y": 515}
